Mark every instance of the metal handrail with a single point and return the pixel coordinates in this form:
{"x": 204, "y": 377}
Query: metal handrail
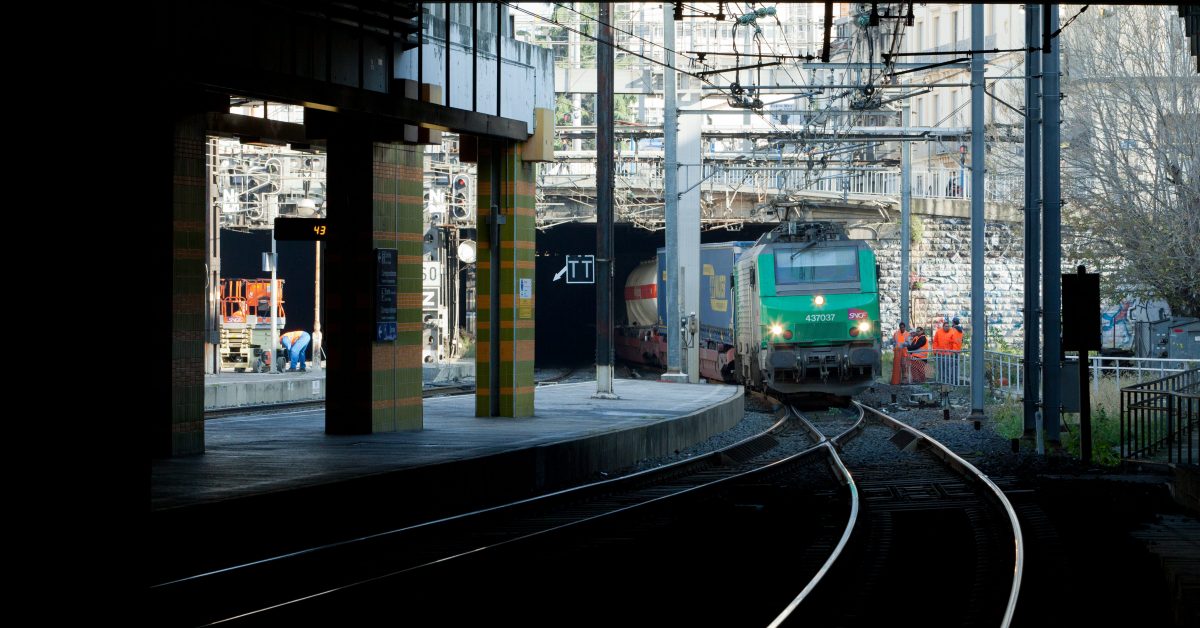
{"x": 1160, "y": 414}
{"x": 1141, "y": 366}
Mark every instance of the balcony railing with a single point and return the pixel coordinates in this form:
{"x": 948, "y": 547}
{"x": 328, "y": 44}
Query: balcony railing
{"x": 946, "y": 183}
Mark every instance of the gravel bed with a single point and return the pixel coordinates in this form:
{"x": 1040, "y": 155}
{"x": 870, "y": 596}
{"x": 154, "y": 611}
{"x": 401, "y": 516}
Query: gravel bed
{"x": 990, "y": 452}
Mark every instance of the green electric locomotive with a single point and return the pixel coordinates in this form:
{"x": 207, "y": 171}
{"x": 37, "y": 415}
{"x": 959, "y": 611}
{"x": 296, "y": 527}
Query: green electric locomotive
{"x": 807, "y": 312}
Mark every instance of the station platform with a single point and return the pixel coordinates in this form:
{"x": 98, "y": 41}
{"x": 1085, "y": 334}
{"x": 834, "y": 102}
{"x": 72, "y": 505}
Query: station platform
{"x": 269, "y": 483}
{"x": 228, "y": 391}
{"x": 570, "y": 437}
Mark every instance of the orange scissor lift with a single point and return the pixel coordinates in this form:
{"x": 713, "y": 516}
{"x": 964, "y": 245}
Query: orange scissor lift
{"x": 246, "y": 323}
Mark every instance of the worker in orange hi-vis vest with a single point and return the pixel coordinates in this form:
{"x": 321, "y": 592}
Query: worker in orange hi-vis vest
{"x": 918, "y": 352}
{"x": 944, "y": 352}
{"x": 900, "y": 353}
{"x": 294, "y": 343}
{"x": 943, "y": 339}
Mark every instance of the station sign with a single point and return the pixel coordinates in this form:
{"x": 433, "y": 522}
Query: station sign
{"x": 579, "y": 269}
{"x": 385, "y": 295}
{"x": 430, "y": 298}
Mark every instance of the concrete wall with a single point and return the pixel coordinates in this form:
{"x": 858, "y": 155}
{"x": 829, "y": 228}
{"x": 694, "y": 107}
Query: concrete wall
{"x": 941, "y": 267}
{"x": 221, "y": 395}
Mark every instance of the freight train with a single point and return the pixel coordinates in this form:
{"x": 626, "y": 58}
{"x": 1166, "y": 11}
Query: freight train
{"x": 795, "y": 313}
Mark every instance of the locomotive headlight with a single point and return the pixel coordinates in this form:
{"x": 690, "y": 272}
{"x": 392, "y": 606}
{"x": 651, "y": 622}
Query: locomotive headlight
{"x": 776, "y": 329}
{"x": 864, "y": 326}
{"x": 819, "y": 300}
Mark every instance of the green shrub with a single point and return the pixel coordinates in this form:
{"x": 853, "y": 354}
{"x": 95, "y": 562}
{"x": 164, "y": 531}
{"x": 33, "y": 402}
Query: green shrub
{"x": 1008, "y": 420}
{"x": 916, "y": 229}
{"x": 1008, "y": 417}
{"x": 466, "y": 345}
{"x": 1106, "y": 430}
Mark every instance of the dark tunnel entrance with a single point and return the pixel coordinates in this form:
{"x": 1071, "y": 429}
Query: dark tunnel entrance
{"x": 565, "y": 332}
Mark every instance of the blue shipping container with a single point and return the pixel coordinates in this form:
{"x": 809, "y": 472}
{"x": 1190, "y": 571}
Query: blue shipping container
{"x": 716, "y": 295}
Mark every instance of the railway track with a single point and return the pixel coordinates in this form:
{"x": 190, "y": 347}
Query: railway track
{"x": 931, "y": 537}
{"x": 759, "y": 533}
{"x": 431, "y": 562}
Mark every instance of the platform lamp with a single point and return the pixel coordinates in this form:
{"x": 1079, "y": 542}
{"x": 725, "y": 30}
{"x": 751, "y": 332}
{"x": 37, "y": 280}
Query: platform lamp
{"x": 307, "y": 208}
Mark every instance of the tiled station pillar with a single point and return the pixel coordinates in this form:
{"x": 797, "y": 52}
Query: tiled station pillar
{"x": 506, "y": 181}
{"x": 374, "y": 205}
{"x": 176, "y": 417}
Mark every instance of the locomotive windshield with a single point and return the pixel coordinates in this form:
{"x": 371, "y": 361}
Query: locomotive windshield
{"x": 825, "y": 265}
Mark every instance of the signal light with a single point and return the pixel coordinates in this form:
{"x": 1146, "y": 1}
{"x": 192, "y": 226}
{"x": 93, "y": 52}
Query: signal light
{"x": 853, "y": 331}
{"x": 776, "y": 330}
{"x": 819, "y": 300}
{"x": 787, "y": 335}
{"x": 864, "y": 326}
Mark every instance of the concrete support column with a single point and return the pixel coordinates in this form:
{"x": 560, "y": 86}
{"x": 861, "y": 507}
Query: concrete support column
{"x": 1033, "y": 220}
{"x": 671, "y": 204}
{"x": 978, "y": 320}
{"x": 905, "y": 217}
{"x": 177, "y": 421}
{"x": 1052, "y": 356}
{"x": 375, "y": 203}
{"x": 691, "y": 172}
{"x": 508, "y": 182}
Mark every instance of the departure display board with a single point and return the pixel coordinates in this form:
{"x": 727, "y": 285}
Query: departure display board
{"x": 301, "y": 228}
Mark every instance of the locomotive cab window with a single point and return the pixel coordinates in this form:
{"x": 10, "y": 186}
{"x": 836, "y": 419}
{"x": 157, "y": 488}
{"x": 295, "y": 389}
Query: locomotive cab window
{"x": 831, "y": 267}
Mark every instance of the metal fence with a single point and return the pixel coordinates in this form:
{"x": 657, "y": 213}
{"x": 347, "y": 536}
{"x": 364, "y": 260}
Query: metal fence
{"x": 952, "y": 368}
{"x": 1161, "y": 416}
{"x": 1136, "y": 370}
{"x": 1005, "y": 372}
{"x": 937, "y": 366}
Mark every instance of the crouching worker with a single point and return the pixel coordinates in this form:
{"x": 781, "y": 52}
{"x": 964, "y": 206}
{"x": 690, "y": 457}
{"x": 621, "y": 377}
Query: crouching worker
{"x": 294, "y": 343}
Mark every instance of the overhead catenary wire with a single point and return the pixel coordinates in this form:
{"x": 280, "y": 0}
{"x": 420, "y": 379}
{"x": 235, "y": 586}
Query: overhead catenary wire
{"x": 665, "y": 64}
{"x": 616, "y": 47}
{"x": 832, "y": 99}
{"x": 1068, "y": 22}
{"x": 599, "y": 41}
{"x": 620, "y": 30}
{"x": 759, "y": 36}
